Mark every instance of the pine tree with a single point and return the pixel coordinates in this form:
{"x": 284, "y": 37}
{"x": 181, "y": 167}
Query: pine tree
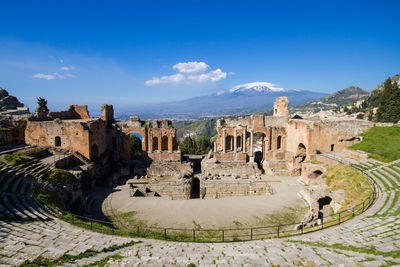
{"x": 394, "y": 104}
{"x": 384, "y": 109}
{"x": 42, "y": 103}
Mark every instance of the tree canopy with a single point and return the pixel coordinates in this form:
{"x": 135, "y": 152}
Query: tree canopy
{"x": 135, "y": 145}
{"x": 197, "y": 145}
{"x": 389, "y": 105}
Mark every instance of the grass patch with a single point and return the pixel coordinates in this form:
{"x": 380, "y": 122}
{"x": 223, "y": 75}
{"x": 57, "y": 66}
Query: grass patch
{"x": 355, "y": 185}
{"x": 383, "y": 143}
{"x": 104, "y": 262}
{"x": 128, "y": 218}
{"x": 39, "y": 261}
{"x": 287, "y": 216}
{"x": 16, "y": 160}
{"x": 366, "y": 249}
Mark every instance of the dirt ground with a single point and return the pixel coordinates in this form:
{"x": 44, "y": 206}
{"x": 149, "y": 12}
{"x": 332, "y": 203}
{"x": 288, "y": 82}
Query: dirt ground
{"x": 223, "y": 212}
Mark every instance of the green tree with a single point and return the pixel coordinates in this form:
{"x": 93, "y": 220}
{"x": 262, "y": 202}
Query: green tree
{"x": 135, "y": 145}
{"x": 389, "y": 105}
{"x": 42, "y": 103}
{"x": 198, "y": 145}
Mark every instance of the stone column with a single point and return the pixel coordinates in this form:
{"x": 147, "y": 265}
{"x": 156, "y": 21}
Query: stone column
{"x": 251, "y": 142}
{"x": 159, "y": 140}
{"x": 223, "y": 141}
{"x": 244, "y": 140}
{"x": 235, "y": 141}
{"x": 215, "y": 147}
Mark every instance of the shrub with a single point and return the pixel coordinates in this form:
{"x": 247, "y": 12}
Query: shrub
{"x": 60, "y": 177}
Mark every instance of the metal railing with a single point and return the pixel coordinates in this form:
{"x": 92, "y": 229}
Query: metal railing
{"x": 210, "y": 235}
{"x": 207, "y": 235}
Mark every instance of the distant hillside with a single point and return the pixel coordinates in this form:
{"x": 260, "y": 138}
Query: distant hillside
{"x": 341, "y": 98}
{"x": 198, "y": 127}
{"x": 241, "y": 99}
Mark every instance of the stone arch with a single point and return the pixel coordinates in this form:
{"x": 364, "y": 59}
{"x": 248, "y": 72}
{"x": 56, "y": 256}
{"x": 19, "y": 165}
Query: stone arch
{"x": 155, "y": 143}
{"x": 57, "y": 141}
{"x": 315, "y": 174}
{"x": 324, "y": 201}
{"x": 94, "y": 152}
{"x": 301, "y": 153}
{"x": 135, "y": 147}
{"x": 164, "y": 143}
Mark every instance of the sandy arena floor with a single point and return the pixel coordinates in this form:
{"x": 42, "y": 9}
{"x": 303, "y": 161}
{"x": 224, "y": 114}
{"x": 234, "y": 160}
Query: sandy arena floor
{"x": 223, "y": 212}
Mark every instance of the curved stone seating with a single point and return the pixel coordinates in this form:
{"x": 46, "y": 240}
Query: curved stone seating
{"x": 366, "y": 240}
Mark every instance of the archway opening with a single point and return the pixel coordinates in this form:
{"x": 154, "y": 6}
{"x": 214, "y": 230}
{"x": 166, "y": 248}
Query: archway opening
{"x": 239, "y": 143}
{"x": 229, "y": 143}
{"x": 195, "y": 192}
{"x": 315, "y": 174}
{"x": 301, "y": 153}
{"x": 164, "y": 143}
{"x": 323, "y": 202}
{"x": 57, "y": 141}
{"x": 259, "y": 149}
{"x": 155, "y": 143}
{"x": 135, "y": 144}
{"x": 279, "y": 142}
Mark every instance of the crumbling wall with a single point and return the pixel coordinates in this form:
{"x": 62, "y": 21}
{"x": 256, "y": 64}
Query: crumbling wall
{"x": 219, "y": 189}
{"x": 74, "y": 112}
{"x": 73, "y": 136}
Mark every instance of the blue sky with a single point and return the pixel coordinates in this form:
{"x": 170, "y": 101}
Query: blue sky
{"x": 128, "y": 53}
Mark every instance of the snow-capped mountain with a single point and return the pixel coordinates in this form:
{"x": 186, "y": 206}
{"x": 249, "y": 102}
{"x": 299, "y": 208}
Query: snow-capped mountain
{"x": 241, "y": 99}
{"x": 262, "y": 87}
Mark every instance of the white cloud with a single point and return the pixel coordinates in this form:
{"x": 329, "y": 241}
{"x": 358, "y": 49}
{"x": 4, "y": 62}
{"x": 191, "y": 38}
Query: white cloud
{"x": 44, "y": 76}
{"x": 199, "y": 72}
{"x": 212, "y": 76}
{"x": 67, "y": 68}
{"x": 191, "y": 67}
{"x": 53, "y": 76}
{"x": 176, "y": 78}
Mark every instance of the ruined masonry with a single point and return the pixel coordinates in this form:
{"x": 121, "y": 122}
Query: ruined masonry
{"x": 246, "y": 148}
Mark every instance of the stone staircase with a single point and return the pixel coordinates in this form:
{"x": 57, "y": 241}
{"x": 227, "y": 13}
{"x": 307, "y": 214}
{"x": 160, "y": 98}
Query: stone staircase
{"x": 27, "y": 231}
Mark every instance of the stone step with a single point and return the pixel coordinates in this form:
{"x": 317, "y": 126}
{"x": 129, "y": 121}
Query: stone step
{"x": 5, "y": 177}
{"x": 10, "y": 207}
{"x": 24, "y": 189}
{"x": 31, "y": 167}
{"x": 393, "y": 172}
{"x": 390, "y": 177}
{"x": 7, "y": 184}
{"x": 17, "y": 182}
{"x": 388, "y": 185}
{"x": 33, "y": 208}
{"x": 6, "y": 212}
{"x": 20, "y": 207}
{"x": 386, "y": 206}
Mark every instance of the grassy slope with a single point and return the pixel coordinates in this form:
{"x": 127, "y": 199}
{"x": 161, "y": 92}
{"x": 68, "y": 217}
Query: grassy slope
{"x": 383, "y": 143}
{"x": 355, "y": 185}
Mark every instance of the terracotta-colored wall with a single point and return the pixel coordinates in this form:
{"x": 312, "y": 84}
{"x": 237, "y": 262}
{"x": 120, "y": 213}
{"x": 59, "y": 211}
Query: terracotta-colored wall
{"x": 73, "y": 135}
